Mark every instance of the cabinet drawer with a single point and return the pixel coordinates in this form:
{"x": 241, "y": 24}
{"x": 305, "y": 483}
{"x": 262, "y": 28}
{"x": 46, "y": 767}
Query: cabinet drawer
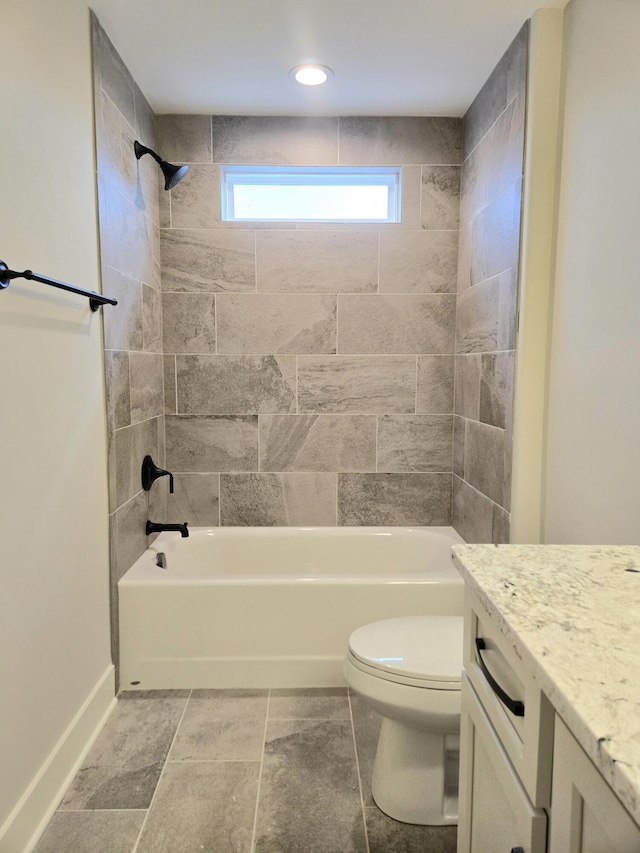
{"x": 497, "y": 676}
{"x": 497, "y": 815}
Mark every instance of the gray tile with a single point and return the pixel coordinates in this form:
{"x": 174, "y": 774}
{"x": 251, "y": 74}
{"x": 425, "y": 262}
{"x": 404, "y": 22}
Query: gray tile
{"x": 390, "y": 836}
{"x": 317, "y": 443}
{"x": 189, "y": 322}
{"x": 146, "y": 372}
{"x": 164, "y": 203}
{"x": 140, "y": 177}
{"x": 496, "y": 388}
{"x": 389, "y": 140}
{"x": 195, "y": 201}
{"x": 357, "y": 384}
{"x": 275, "y": 323}
{"x": 501, "y": 534}
{"x": 472, "y": 513}
{"x": 184, "y": 138}
{"x": 309, "y": 795}
{"x": 411, "y": 323}
{"x": 151, "y": 319}
{"x": 464, "y": 256}
{"x": 118, "y": 402}
{"x": 484, "y": 459}
{"x": 394, "y": 499}
{"x": 129, "y": 539}
{"x": 495, "y": 236}
{"x": 123, "y": 766}
{"x": 326, "y": 703}
{"x": 92, "y": 832}
{"x": 317, "y": 261}
{"x": 236, "y": 384}
{"x": 507, "y": 309}
{"x": 267, "y": 500}
{"x": 196, "y": 499}
{"x": 210, "y": 443}
{"x": 131, "y": 241}
{"x": 435, "y": 384}
{"x": 133, "y": 443}
{"x": 366, "y": 728}
{"x": 459, "y": 435}
{"x": 477, "y": 319}
{"x": 203, "y": 806}
{"x": 210, "y": 261}
{"x": 222, "y": 725}
{"x": 114, "y": 75}
{"x": 440, "y": 197}
{"x": 170, "y": 399}
{"x": 145, "y": 119}
{"x": 122, "y": 326}
{"x": 275, "y": 140}
{"x": 467, "y": 396}
{"x": 108, "y": 149}
{"x": 418, "y": 261}
{"x": 408, "y": 443}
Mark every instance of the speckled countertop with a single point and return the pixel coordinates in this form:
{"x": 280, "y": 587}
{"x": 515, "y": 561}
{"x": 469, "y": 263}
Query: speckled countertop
{"x": 572, "y": 614}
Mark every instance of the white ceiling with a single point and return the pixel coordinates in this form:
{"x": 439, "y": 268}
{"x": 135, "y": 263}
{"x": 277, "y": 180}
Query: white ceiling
{"x": 390, "y": 57}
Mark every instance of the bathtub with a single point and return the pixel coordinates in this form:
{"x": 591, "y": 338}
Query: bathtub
{"x": 274, "y": 607}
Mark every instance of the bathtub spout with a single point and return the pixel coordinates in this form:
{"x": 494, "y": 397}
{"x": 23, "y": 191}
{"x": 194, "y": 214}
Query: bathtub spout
{"x": 153, "y": 527}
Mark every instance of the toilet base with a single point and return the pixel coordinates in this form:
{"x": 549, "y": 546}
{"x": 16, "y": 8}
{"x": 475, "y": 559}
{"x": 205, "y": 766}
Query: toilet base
{"x": 415, "y": 776}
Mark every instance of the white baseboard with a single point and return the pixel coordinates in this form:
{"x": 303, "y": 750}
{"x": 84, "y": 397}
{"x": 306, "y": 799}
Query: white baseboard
{"x": 28, "y": 820}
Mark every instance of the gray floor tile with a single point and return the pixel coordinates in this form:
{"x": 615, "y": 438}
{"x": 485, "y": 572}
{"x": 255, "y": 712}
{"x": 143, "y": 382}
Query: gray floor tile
{"x": 366, "y": 727}
{"x": 92, "y": 832}
{"x": 203, "y": 807}
{"x": 309, "y": 793}
{"x": 222, "y": 725}
{"x": 310, "y": 703}
{"x": 122, "y": 769}
{"x": 390, "y": 836}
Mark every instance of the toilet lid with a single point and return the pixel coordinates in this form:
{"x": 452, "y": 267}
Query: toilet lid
{"x": 421, "y": 647}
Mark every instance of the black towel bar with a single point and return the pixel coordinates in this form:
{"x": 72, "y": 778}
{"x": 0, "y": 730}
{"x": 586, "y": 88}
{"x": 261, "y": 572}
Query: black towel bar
{"x": 95, "y": 299}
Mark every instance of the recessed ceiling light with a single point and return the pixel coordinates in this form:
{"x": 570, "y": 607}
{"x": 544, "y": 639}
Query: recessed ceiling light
{"x": 311, "y": 75}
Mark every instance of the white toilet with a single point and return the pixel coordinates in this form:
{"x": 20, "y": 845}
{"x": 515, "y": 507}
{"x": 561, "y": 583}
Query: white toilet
{"x": 409, "y": 671}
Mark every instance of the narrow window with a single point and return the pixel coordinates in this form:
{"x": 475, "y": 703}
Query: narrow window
{"x": 311, "y": 194}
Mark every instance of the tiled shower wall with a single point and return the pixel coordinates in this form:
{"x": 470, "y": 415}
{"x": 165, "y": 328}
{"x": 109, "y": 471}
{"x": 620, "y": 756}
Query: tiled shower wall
{"x": 491, "y": 192}
{"x": 309, "y": 369}
{"x": 130, "y": 260}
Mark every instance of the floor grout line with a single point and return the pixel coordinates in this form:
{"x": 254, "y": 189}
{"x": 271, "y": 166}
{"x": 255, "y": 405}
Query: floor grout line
{"x": 355, "y": 750}
{"x": 264, "y": 740}
{"x": 164, "y": 765}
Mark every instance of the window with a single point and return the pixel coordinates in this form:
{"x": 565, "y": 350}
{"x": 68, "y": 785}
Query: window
{"x": 311, "y": 194}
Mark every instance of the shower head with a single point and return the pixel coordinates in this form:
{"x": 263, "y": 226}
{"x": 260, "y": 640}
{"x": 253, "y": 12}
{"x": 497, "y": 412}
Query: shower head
{"x": 172, "y": 174}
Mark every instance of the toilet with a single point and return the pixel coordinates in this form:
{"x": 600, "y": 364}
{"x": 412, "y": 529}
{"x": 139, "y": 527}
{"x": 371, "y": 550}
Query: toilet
{"x": 408, "y": 670}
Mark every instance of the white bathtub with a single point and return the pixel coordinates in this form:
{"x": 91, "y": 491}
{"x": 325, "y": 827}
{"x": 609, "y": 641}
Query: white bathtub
{"x": 274, "y": 607}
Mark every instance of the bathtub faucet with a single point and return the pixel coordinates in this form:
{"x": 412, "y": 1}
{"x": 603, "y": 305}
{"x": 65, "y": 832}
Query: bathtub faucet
{"x": 153, "y": 527}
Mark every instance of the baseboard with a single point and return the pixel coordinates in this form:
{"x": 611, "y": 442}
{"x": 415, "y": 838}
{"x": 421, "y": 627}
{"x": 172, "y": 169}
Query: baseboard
{"x": 28, "y": 820}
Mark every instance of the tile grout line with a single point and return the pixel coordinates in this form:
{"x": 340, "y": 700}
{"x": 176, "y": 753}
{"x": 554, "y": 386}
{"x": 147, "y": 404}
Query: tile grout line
{"x": 164, "y": 765}
{"x": 264, "y": 740}
{"x": 355, "y": 750}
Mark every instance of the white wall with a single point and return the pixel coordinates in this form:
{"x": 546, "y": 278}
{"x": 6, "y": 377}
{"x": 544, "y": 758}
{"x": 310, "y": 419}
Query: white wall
{"x": 54, "y": 633}
{"x": 593, "y": 444}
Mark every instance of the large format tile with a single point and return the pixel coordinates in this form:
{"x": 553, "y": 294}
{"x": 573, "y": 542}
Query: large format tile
{"x": 197, "y": 259}
{"x": 317, "y": 261}
{"x": 113, "y": 74}
{"x": 309, "y": 797}
{"x": 390, "y": 836}
{"x": 477, "y": 319}
{"x": 496, "y": 388}
{"x": 484, "y": 459}
{"x": 412, "y": 323}
{"x": 440, "y": 197}
{"x": 275, "y": 140}
{"x": 459, "y": 436}
{"x": 275, "y": 323}
{"x": 122, "y": 326}
{"x": 132, "y": 444}
{"x": 317, "y": 443}
{"x": 320, "y": 703}
{"x": 92, "y": 832}
{"x": 146, "y": 373}
{"x": 196, "y": 500}
{"x": 389, "y": 140}
{"x": 360, "y": 384}
{"x": 222, "y": 725}
{"x": 118, "y": 399}
{"x": 189, "y": 322}
{"x": 129, "y": 538}
{"x": 170, "y": 399}
{"x": 501, "y": 531}
{"x": 123, "y": 766}
{"x": 184, "y": 138}
{"x": 409, "y": 443}
{"x": 130, "y": 241}
{"x": 268, "y": 500}
{"x": 394, "y": 499}
{"x": 212, "y": 443}
{"x": 203, "y": 806}
{"x": 195, "y": 201}
{"x": 435, "y": 379}
{"x": 467, "y": 394}
{"x": 151, "y": 319}
{"x": 418, "y": 261}
{"x": 472, "y": 513}
{"x": 236, "y": 384}
{"x": 495, "y": 236}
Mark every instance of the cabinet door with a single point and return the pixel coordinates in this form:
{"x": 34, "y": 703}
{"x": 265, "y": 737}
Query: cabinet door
{"x": 586, "y": 816}
{"x": 496, "y": 815}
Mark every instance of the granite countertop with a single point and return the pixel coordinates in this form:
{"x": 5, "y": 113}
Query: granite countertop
{"x": 572, "y": 615}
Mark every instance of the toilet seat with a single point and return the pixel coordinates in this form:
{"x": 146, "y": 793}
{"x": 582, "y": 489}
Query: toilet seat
{"x": 419, "y": 651}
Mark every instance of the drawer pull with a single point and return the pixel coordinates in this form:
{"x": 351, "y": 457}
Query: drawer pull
{"x": 514, "y": 705}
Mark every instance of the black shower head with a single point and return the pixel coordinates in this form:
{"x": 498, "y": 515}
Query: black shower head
{"x": 172, "y": 174}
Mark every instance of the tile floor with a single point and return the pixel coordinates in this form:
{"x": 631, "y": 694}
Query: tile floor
{"x": 233, "y": 771}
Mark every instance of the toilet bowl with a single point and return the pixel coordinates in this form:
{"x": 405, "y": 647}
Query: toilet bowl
{"x": 408, "y": 670}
